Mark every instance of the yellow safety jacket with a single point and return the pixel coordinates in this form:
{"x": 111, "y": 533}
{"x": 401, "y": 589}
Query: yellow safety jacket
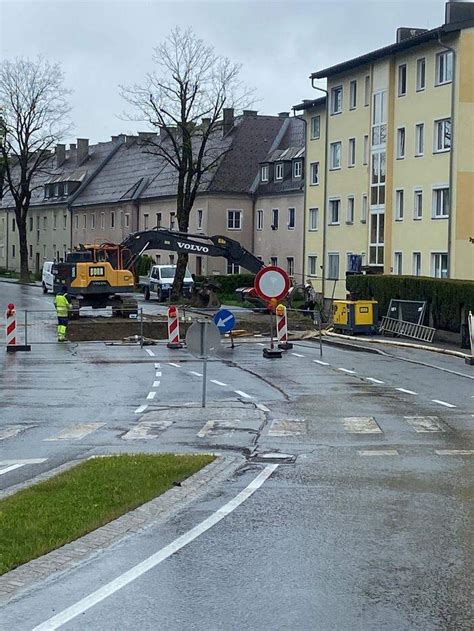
{"x": 62, "y": 305}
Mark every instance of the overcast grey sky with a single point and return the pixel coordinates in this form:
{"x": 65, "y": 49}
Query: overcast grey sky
{"x": 102, "y": 44}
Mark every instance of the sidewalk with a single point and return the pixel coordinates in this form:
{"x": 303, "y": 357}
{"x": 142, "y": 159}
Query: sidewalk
{"x": 15, "y": 281}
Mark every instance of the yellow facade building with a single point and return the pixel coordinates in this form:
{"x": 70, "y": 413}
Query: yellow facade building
{"x": 394, "y": 181}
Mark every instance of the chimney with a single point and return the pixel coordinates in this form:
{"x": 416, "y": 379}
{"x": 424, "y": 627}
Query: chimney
{"x": 146, "y": 135}
{"x": 458, "y": 12}
{"x": 250, "y": 112}
{"x": 82, "y": 150}
{"x": 283, "y": 114}
{"x": 206, "y": 122}
{"x": 228, "y": 122}
{"x": 60, "y": 153}
{"x": 404, "y": 33}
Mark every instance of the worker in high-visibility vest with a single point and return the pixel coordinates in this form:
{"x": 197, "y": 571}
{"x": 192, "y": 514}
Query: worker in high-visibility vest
{"x": 62, "y": 306}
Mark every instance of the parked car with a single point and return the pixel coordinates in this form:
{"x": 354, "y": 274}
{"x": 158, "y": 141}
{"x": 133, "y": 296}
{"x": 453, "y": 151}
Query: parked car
{"x": 47, "y": 278}
{"x": 160, "y": 280}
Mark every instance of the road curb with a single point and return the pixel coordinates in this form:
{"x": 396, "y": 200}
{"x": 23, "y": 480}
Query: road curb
{"x": 19, "y": 581}
{"x": 14, "y": 281}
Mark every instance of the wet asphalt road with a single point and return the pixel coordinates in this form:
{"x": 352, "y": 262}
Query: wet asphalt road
{"x": 369, "y": 528}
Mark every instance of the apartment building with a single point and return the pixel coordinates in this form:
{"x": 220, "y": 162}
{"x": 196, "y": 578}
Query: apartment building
{"x": 398, "y": 184}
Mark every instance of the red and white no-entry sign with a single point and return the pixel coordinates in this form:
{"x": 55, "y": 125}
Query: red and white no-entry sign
{"x": 272, "y": 282}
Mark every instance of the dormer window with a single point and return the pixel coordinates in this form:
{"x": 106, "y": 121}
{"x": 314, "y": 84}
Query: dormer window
{"x": 297, "y": 168}
{"x": 264, "y": 173}
{"x": 279, "y": 171}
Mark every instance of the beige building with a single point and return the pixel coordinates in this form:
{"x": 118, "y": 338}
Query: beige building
{"x": 398, "y": 186}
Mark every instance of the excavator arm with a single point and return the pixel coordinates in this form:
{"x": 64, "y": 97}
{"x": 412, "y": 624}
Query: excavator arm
{"x": 161, "y": 239}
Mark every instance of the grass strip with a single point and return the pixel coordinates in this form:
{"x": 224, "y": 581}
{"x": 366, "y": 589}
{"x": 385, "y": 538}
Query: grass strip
{"x": 48, "y": 515}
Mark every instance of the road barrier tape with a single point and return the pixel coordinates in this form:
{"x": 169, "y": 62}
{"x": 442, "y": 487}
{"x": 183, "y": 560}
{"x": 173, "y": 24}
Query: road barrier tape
{"x": 173, "y": 328}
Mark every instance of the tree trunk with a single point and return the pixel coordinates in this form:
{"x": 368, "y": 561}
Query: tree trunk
{"x": 24, "y": 271}
{"x": 181, "y": 266}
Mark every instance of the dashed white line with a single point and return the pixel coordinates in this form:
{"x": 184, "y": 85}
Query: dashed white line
{"x": 12, "y": 467}
{"x": 175, "y": 365}
{"x": 218, "y": 383}
{"x": 197, "y": 374}
{"x": 319, "y": 361}
{"x": 445, "y": 403}
{"x": 152, "y": 561}
{"x": 141, "y": 409}
{"x": 378, "y": 452}
{"x": 263, "y": 407}
{"x": 361, "y": 425}
{"x": 406, "y": 391}
{"x": 151, "y": 395}
{"x": 260, "y": 344}
{"x": 297, "y": 355}
{"x": 454, "y": 452}
{"x": 76, "y": 432}
{"x": 4, "y": 463}
{"x": 373, "y": 380}
{"x": 424, "y": 424}
{"x": 158, "y": 365}
{"x": 243, "y": 394}
{"x": 158, "y": 373}
{"x": 150, "y": 352}
{"x": 350, "y": 372}
{"x": 156, "y": 384}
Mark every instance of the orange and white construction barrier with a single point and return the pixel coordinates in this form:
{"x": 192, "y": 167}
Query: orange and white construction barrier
{"x": 173, "y": 328}
{"x": 11, "y": 325}
{"x": 282, "y": 328}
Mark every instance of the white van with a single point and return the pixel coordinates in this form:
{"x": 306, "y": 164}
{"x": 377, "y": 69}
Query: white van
{"x": 47, "y": 279}
{"x": 160, "y": 281}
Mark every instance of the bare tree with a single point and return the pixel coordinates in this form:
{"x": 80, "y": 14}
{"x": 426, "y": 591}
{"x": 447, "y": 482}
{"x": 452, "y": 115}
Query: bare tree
{"x": 34, "y": 118}
{"x": 185, "y": 99}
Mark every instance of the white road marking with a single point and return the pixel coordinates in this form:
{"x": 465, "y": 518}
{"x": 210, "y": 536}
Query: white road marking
{"x": 260, "y": 344}
{"x": 361, "y": 425}
{"x": 77, "y": 432}
{"x": 454, "y": 452}
{"x": 193, "y": 372}
{"x": 158, "y": 373}
{"x": 406, "y": 391}
{"x": 152, "y": 561}
{"x": 424, "y": 424}
{"x": 156, "y": 384}
{"x": 218, "y": 383}
{"x": 12, "y": 467}
{"x": 158, "y": 365}
{"x": 297, "y": 355}
{"x": 318, "y": 361}
{"x": 13, "y": 430}
{"x": 175, "y": 365}
{"x": 445, "y": 403}
{"x": 378, "y": 452}
{"x": 206, "y": 429}
{"x": 150, "y": 396}
{"x": 141, "y": 409}
{"x": 142, "y": 430}
{"x": 350, "y": 372}
{"x": 373, "y": 380}
{"x": 262, "y": 407}
{"x": 3, "y": 463}
{"x": 150, "y": 352}
{"x": 287, "y": 427}
{"x": 243, "y": 394}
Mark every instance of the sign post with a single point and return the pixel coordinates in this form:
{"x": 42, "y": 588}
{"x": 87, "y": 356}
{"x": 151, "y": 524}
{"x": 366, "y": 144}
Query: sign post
{"x": 202, "y": 340}
{"x": 272, "y": 285}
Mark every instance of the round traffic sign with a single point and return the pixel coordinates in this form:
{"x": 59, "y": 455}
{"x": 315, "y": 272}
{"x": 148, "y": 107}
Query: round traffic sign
{"x": 272, "y": 282}
{"x": 224, "y": 320}
{"x": 203, "y": 339}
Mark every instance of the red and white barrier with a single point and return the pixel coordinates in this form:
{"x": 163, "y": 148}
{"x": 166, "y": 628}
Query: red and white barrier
{"x": 173, "y": 328}
{"x": 282, "y": 328}
{"x": 11, "y": 325}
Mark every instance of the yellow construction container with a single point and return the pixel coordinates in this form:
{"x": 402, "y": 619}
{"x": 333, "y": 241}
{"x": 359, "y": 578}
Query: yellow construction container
{"x": 355, "y": 316}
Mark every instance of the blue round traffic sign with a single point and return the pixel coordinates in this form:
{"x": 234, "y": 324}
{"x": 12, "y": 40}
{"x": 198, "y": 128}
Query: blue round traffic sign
{"x": 225, "y": 320}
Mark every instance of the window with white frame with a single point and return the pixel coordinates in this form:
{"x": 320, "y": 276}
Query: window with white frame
{"x": 102, "y": 221}
{"x": 290, "y": 265}
{"x": 353, "y": 94}
{"x": 76, "y": 222}
{"x": 416, "y": 264}
{"x": 274, "y": 260}
{"x": 55, "y": 221}
{"x": 439, "y": 264}
{"x": 336, "y": 100}
{"x": 367, "y": 91}
{"x": 315, "y": 127}
{"x": 334, "y": 211}
{"x": 440, "y": 203}
{"x": 146, "y": 221}
{"x": 314, "y": 173}
{"x": 400, "y": 143}
{"x": 442, "y": 135}
{"x": 127, "y": 220}
{"x": 84, "y": 221}
{"x": 112, "y": 219}
{"x": 335, "y": 155}
{"x": 275, "y": 218}
{"x": 399, "y": 204}
{"x": 232, "y": 268}
{"x": 264, "y": 173}
{"x": 364, "y": 208}
{"x": 64, "y": 222}
{"x": 291, "y": 218}
{"x": 418, "y": 204}
{"x": 398, "y": 263}
{"x": 420, "y": 74}
{"x": 260, "y": 219}
{"x": 352, "y": 152}
{"x": 297, "y": 168}
{"x": 376, "y": 246}
{"x": 313, "y": 220}
{"x": 172, "y": 221}
{"x": 402, "y": 80}
{"x": 279, "y": 171}
{"x": 200, "y": 215}
{"x": 312, "y": 265}
{"x": 92, "y": 222}
{"x": 444, "y": 67}
{"x": 234, "y": 220}
{"x": 350, "y": 210}
{"x": 333, "y": 266}
{"x": 419, "y": 139}
{"x": 158, "y": 220}
{"x": 366, "y": 149}
{"x": 45, "y": 224}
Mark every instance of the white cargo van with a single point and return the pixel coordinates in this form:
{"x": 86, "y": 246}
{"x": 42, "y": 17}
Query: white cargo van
{"x": 160, "y": 281}
{"x": 47, "y": 279}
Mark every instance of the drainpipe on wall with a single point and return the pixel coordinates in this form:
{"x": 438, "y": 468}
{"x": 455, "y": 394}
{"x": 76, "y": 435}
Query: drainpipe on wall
{"x": 304, "y": 194}
{"x": 326, "y": 139}
{"x": 7, "y": 235}
{"x": 451, "y": 153}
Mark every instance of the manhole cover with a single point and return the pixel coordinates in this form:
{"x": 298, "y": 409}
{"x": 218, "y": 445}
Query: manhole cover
{"x": 274, "y": 457}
